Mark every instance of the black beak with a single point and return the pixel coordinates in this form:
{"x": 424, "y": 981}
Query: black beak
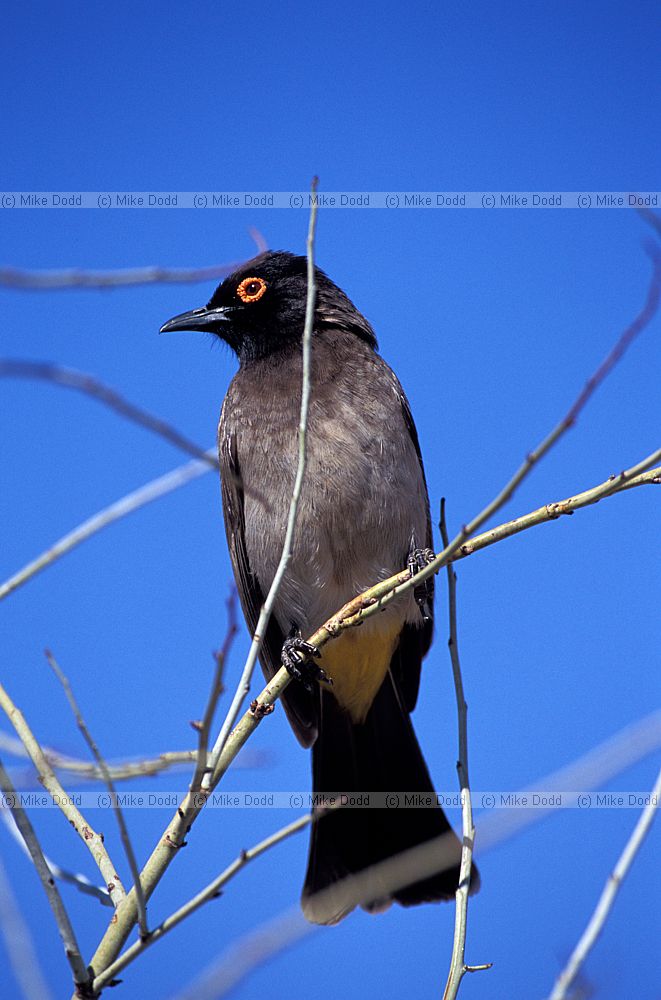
{"x": 207, "y": 320}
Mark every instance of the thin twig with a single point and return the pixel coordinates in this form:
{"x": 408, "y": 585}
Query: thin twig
{"x": 372, "y": 601}
{"x": 249, "y": 952}
{"x": 16, "y": 278}
{"x": 364, "y": 604}
{"x": 643, "y": 319}
{"x": 165, "y": 851}
{"x": 458, "y": 967}
{"x": 552, "y": 511}
{"x": 19, "y": 945}
{"x": 114, "y": 800}
{"x": 607, "y": 898}
{"x": 70, "y": 378}
{"x": 81, "y": 882}
{"x": 599, "y": 765}
{"x": 265, "y": 613}
{"x": 625, "y": 750}
{"x": 118, "y": 770}
{"x": 153, "y": 490}
{"x": 92, "y": 840}
{"x": 203, "y": 763}
{"x": 72, "y": 951}
{"x": 211, "y": 891}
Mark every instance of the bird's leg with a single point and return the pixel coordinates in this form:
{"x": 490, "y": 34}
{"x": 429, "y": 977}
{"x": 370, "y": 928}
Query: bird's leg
{"x": 296, "y": 653}
{"x": 417, "y": 559}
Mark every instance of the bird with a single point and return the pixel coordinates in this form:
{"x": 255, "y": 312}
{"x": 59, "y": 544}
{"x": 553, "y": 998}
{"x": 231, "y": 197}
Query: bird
{"x": 363, "y": 515}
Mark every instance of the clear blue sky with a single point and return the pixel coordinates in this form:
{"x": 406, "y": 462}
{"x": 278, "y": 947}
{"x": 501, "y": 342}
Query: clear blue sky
{"x": 492, "y": 321}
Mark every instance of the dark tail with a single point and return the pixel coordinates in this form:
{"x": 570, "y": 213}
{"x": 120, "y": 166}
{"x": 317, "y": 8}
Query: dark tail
{"x": 380, "y": 755}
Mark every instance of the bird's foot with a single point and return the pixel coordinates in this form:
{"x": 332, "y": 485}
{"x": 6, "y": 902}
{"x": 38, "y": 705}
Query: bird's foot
{"x": 417, "y": 560}
{"x": 295, "y": 656}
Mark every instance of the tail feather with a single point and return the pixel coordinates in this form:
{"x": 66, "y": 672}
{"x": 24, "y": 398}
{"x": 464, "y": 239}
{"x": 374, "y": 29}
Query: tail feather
{"x": 379, "y": 755}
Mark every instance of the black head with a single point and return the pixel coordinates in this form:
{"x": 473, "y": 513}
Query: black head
{"x": 260, "y": 309}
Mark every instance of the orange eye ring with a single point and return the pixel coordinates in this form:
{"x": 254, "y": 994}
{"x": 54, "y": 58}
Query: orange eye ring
{"x": 251, "y": 289}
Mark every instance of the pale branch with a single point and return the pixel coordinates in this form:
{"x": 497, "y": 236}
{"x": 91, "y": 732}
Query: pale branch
{"x": 625, "y": 340}
{"x": 599, "y": 765}
{"x": 114, "y": 800}
{"x": 212, "y": 891}
{"x": 164, "y": 852}
{"x": 179, "y": 477}
{"x": 81, "y": 882}
{"x": 203, "y": 763}
{"x": 70, "y": 378}
{"x": 458, "y": 966}
{"x": 351, "y": 614}
{"x": 81, "y": 977}
{"x": 92, "y": 840}
{"x": 552, "y": 511}
{"x": 77, "y": 278}
{"x": 373, "y": 598}
{"x": 153, "y": 490}
{"x": 267, "y": 608}
{"x": 607, "y": 898}
{"x": 19, "y": 946}
{"x": 118, "y": 770}
{"x": 249, "y": 952}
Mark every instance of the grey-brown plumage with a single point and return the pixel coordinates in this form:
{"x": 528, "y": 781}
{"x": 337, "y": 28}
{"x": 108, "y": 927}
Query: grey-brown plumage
{"x": 364, "y": 496}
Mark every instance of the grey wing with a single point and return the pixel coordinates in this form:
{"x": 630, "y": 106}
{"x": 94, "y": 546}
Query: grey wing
{"x": 414, "y": 642}
{"x": 300, "y": 705}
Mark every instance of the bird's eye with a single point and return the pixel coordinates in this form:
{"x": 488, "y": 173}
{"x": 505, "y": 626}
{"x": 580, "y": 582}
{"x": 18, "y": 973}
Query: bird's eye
{"x": 251, "y": 289}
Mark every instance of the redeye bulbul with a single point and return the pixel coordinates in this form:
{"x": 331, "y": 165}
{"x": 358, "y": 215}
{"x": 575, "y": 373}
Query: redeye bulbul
{"x": 363, "y": 515}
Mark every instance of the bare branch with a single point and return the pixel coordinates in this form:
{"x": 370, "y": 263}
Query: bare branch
{"x": 389, "y": 589}
{"x": 153, "y": 490}
{"x": 458, "y": 967}
{"x": 165, "y": 851}
{"x": 80, "y": 881}
{"x": 607, "y": 898}
{"x": 599, "y": 765}
{"x": 358, "y": 608}
{"x": 50, "y": 281}
{"x": 116, "y": 808}
{"x": 361, "y": 607}
{"x": 643, "y": 319}
{"x": 92, "y": 840}
{"x": 119, "y": 770}
{"x": 267, "y": 608}
{"x": 70, "y": 378}
{"x": 248, "y": 953}
{"x": 80, "y": 975}
{"x": 203, "y": 763}
{"x": 211, "y": 891}
{"x": 552, "y": 511}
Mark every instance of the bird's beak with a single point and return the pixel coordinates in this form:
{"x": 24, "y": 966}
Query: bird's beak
{"x": 207, "y": 320}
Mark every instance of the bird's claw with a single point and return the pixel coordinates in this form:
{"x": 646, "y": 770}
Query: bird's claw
{"x": 297, "y": 659}
{"x": 417, "y": 560}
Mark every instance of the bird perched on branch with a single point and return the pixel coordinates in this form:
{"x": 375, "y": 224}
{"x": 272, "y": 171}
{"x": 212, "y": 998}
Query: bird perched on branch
{"x": 363, "y": 515}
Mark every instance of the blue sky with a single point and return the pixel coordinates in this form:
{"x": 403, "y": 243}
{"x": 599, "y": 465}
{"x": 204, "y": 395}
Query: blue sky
{"x": 492, "y": 320}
